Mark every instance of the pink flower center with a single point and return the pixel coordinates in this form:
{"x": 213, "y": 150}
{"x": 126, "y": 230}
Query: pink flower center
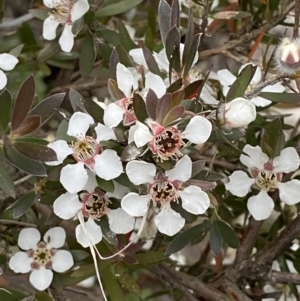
{"x": 163, "y": 191}
{"x": 95, "y": 205}
{"x": 62, "y": 11}
{"x": 127, "y": 105}
{"x": 42, "y": 256}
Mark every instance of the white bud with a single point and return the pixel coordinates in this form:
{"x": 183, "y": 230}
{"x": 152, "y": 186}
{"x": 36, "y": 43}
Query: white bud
{"x": 287, "y": 56}
{"x": 238, "y": 113}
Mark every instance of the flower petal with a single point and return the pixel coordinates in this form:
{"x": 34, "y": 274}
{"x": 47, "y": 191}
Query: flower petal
{"x": 41, "y": 278}
{"x": 74, "y": 177}
{"x": 289, "y": 192}
{"x": 278, "y": 88}
{"x": 79, "y": 124}
{"x": 62, "y": 261}
{"x": 206, "y": 95}
{"x": 104, "y": 133}
{"x": 142, "y": 134}
{"x": 62, "y": 150}
{"x": 140, "y": 172}
{"x": 120, "y": 222}
{"x": 49, "y": 3}
{"x": 287, "y": 161}
{"x": 168, "y": 221}
{"x": 260, "y": 206}
{"x": 108, "y": 165}
{"x": 239, "y": 183}
{"x": 194, "y": 200}
{"x": 255, "y": 159}
{"x": 138, "y": 57}
{"x": 113, "y": 115}
{"x": 67, "y": 205}
{"x": 260, "y": 101}
{"x": 20, "y": 262}
{"x": 226, "y": 78}
{"x": 124, "y": 79}
{"x": 156, "y": 83}
{"x": 94, "y": 231}
{"x": 49, "y": 28}
{"x": 29, "y": 238}
{"x": 66, "y": 40}
{"x": 3, "y": 80}
{"x": 198, "y": 130}
{"x": 134, "y": 204}
{"x": 162, "y": 60}
{"x": 91, "y": 183}
{"x": 55, "y": 237}
{"x": 8, "y": 61}
{"x": 79, "y": 9}
{"x": 257, "y": 75}
{"x": 182, "y": 170}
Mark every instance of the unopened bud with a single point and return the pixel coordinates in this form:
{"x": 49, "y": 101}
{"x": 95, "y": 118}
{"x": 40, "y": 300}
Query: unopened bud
{"x": 287, "y": 56}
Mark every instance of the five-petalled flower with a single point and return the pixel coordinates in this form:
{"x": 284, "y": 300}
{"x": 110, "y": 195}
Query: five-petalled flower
{"x": 41, "y": 256}
{"x": 266, "y": 176}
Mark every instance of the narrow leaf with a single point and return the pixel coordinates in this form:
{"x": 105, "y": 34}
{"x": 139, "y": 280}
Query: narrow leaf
{"x": 215, "y": 239}
{"x": 227, "y": 234}
{"x": 173, "y": 114}
{"x": 30, "y": 124}
{"x": 124, "y": 56}
{"x": 5, "y": 110}
{"x": 87, "y": 55}
{"x": 6, "y": 183}
{"x": 281, "y": 97}
{"x": 94, "y": 109}
{"x": 175, "y": 11}
{"x": 76, "y": 100}
{"x": 164, "y": 19}
{"x": 23, "y": 204}
{"x": 188, "y": 38}
{"x": 112, "y": 286}
{"x": 48, "y": 51}
{"x": 125, "y": 38}
{"x": 139, "y": 107}
{"x": 151, "y": 103}
{"x": 192, "y": 54}
{"x": 151, "y": 62}
{"x": 163, "y": 108}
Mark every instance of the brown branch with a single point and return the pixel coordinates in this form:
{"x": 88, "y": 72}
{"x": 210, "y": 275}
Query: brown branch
{"x": 233, "y": 290}
{"x": 282, "y": 277}
{"x": 296, "y": 22}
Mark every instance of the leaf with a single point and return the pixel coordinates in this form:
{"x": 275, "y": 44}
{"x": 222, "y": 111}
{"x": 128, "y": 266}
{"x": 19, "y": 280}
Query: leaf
{"x": 273, "y": 5}
{"x": 172, "y": 41}
{"x": 163, "y": 108}
{"x": 130, "y": 152}
{"x": 22, "y": 204}
{"x": 270, "y": 137}
{"x": 5, "y": 110}
{"x": 215, "y": 239}
{"x": 188, "y": 38}
{"x": 6, "y": 183}
{"x": 197, "y": 166}
{"x": 125, "y": 38}
{"x": 175, "y": 11}
{"x": 281, "y": 97}
{"x": 30, "y": 124}
{"x": 105, "y": 51}
{"x": 209, "y": 176}
{"x": 105, "y": 185}
{"x": 227, "y": 234}
{"x": 17, "y": 50}
{"x": 42, "y": 296}
{"x": 87, "y": 55}
{"x": 192, "y": 53}
{"x": 76, "y": 100}
{"x": 232, "y": 15}
{"x": 127, "y": 281}
{"x": 23, "y": 102}
{"x": 151, "y": 103}
{"x": 172, "y": 115}
{"x": 113, "y": 62}
{"x": 40, "y": 14}
{"x": 79, "y": 255}
{"x": 124, "y": 56}
{"x": 116, "y": 8}
{"x": 183, "y": 239}
{"x": 48, "y": 51}
{"x": 279, "y": 143}
{"x": 150, "y": 257}
{"x": 108, "y": 235}
{"x": 151, "y": 62}
{"x": 139, "y": 107}
{"x": 193, "y": 89}
{"x": 94, "y": 109}
{"x": 114, "y": 90}
{"x": 164, "y": 19}
{"x": 177, "y": 98}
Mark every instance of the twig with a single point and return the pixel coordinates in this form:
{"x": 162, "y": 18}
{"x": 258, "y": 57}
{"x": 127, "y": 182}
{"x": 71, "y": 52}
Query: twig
{"x": 9, "y": 25}
{"x": 20, "y": 181}
{"x": 233, "y": 290}
{"x": 296, "y": 22}
{"x": 13, "y": 222}
{"x": 282, "y": 277}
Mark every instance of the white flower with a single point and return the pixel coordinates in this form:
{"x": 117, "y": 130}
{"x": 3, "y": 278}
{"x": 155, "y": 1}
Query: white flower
{"x": 93, "y": 204}
{"x": 7, "y": 63}
{"x": 226, "y": 79}
{"x": 88, "y": 152}
{"x": 163, "y": 189}
{"x": 197, "y": 131}
{"x": 63, "y": 12}
{"x": 237, "y": 113}
{"x": 41, "y": 256}
{"x": 266, "y": 176}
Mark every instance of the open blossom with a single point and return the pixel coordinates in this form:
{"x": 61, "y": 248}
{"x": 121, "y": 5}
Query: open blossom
{"x": 87, "y": 151}
{"x": 7, "y": 63}
{"x": 166, "y": 142}
{"x": 163, "y": 189}
{"x": 41, "y": 256}
{"x": 266, "y": 175}
{"x": 63, "y": 12}
{"x": 226, "y": 79}
{"x": 94, "y": 204}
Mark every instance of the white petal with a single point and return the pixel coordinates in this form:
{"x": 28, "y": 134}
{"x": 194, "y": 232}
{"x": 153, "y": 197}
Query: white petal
{"x": 142, "y": 134}
{"x": 260, "y": 101}
{"x": 66, "y": 40}
{"x": 104, "y": 133}
{"x": 79, "y": 9}
{"x": 120, "y": 222}
{"x": 20, "y": 262}
{"x": 67, "y": 205}
{"x": 225, "y": 90}
{"x": 41, "y": 278}
{"x": 62, "y": 261}
{"x": 182, "y": 170}
{"x": 289, "y": 192}
{"x": 226, "y": 78}
{"x": 134, "y": 204}
{"x": 257, "y": 77}
{"x": 93, "y": 230}
{"x": 62, "y": 150}
{"x": 162, "y": 60}
{"x": 198, "y": 130}
{"x": 49, "y": 28}
{"x": 279, "y": 88}
{"x": 155, "y": 83}
{"x": 91, "y": 183}
{"x": 3, "y": 80}
{"x": 138, "y": 57}
{"x": 239, "y": 183}
{"x": 194, "y": 200}
{"x": 55, "y": 237}
{"x": 74, "y": 177}
{"x": 29, "y": 238}
{"x": 287, "y": 161}
{"x": 255, "y": 159}
{"x": 113, "y": 115}
{"x": 260, "y": 206}
{"x": 168, "y": 221}
{"x": 140, "y": 172}
{"x": 8, "y": 61}
{"x": 49, "y": 3}
{"x": 124, "y": 79}
{"x": 108, "y": 165}
{"x": 79, "y": 124}
{"x": 206, "y": 96}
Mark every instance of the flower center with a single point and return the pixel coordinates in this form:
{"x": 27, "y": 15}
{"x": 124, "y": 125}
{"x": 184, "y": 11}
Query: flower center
{"x": 95, "y": 205}
{"x": 167, "y": 144}
{"x": 85, "y": 149}
{"x": 42, "y": 256}
{"x": 163, "y": 192}
{"x": 61, "y": 10}
{"x": 267, "y": 180}
{"x": 129, "y": 117}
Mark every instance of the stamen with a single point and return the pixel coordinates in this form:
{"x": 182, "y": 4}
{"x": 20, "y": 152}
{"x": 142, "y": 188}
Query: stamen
{"x": 95, "y": 205}
{"x": 163, "y": 192}
{"x": 62, "y": 10}
{"x": 85, "y": 149}
{"x": 42, "y": 256}
{"x": 266, "y": 180}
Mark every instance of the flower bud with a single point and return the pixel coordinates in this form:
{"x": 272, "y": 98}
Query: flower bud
{"x": 287, "y": 56}
{"x": 238, "y": 113}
